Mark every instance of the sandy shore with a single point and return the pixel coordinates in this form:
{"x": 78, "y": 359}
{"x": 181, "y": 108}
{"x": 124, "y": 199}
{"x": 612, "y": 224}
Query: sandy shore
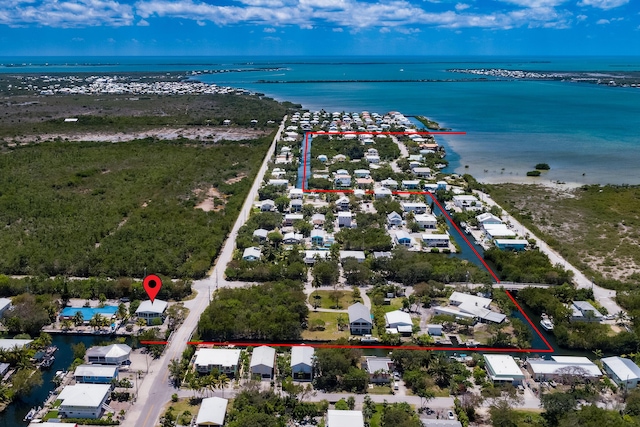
{"x": 557, "y": 185}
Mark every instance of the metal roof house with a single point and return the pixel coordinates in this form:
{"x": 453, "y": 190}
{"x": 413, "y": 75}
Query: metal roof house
{"x": 5, "y": 304}
{"x": 83, "y": 400}
{"x": 337, "y": 418}
{"x": 263, "y": 359}
{"x": 623, "y": 371}
{"x": 225, "y": 360}
{"x": 360, "y": 322}
{"x": 503, "y": 368}
{"x": 252, "y": 254}
{"x": 562, "y": 366}
{"x": 212, "y": 412}
{"x": 394, "y": 218}
{"x": 302, "y": 362}
{"x": 11, "y": 344}
{"x": 95, "y": 374}
{"x": 151, "y": 310}
{"x": 114, "y": 354}
{"x": 400, "y": 321}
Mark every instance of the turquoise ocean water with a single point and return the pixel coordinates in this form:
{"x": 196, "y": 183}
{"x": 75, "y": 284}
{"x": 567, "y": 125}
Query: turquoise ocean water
{"x": 587, "y": 133}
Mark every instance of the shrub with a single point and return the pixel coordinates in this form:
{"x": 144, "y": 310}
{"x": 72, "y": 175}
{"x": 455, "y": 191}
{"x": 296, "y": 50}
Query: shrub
{"x": 533, "y": 173}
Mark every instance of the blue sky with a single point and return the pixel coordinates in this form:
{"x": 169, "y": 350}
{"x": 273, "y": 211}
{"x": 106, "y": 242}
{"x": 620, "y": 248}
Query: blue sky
{"x": 319, "y": 27}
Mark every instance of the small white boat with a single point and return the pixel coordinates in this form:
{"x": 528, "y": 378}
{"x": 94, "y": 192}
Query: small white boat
{"x": 546, "y": 323}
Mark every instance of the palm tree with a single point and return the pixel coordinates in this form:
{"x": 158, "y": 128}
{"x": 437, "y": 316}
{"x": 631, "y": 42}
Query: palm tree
{"x": 621, "y": 318}
{"x": 223, "y": 381}
{"x": 78, "y": 318}
{"x": 175, "y": 372}
{"x": 67, "y": 324}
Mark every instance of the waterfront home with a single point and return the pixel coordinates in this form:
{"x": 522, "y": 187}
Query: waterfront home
{"x": 495, "y": 231}
{"x": 336, "y": 418}
{"x": 441, "y": 185}
{"x": 277, "y": 173}
{"x": 212, "y": 412}
{"x": 263, "y": 359}
{"x": 296, "y": 193}
{"x": 502, "y": 368}
{"x": 561, "y": 368}
{"x": 434, "y": 330}
{"x": 476, "y": 306}
{"x": 389, "y": 183}
{"x": 318, "y": 219}
{"x": 415, "y": 158}
{"x": 394, "y": 219}
{"x": 422, "y": 171}
{"x": 84, "y": 400}
{"x": 252, "y": 253}
{"x": 415, "y": 207}
{"x": 432, "y": 188}
{"x": 150, "y": 311}
{"x": 317, "y": 237}
{"x": 511, "y": 244}
{"x": 5, "y": 304}
{"x": 379, "y": 369}
{"x": 398, "y": 321}
{"x": 357, "y": 255}
{"x": 342, "y": 180}
{"x": 95, "y": 374}
{"x": 360, "y": 322}
{"x": 403, "y": 238}
{"x": 622, "y": 371}
{"x": 583, "y": 311}
{"x": 310, "y": 257}
{"x": 426, "y": 221}
{"x": 291, "y": 218}
{"x": 487, "y": 218}
{"x": 267, "y": 205}
{"x": 411, "y": 184}
{"x": 9, "y": 344}
{"x": 302, "y": 362}
{"x": 436, "y": 240}
{"x": 114, "y": 354}
{"x": 345, "y": 219}
{"x": 343, "y": 203}
{"x": 261, "y": 234}
{"x": 466, "y": 202}
{"x": 382, "y": 192}
{"x": 224, "y": 360}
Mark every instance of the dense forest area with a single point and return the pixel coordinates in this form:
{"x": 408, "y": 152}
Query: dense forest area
{"x": 527, "y": 267}
{"x": 117, "y": 209}
{"x": 273, "y": 311}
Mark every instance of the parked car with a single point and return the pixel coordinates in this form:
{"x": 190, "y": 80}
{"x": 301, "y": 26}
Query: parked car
{"x": 450, "y": 415}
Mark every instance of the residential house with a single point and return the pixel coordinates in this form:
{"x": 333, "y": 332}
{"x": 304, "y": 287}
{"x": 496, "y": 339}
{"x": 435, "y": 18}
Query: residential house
{"x": 260, "y": 234}
{"x": 415, "y": 207}
{"x": 292, "y": 238}
{"x": 394, "y": 219}
{"x": 487, "y": 218}
{"x": 252, "y": 253}
{"x": 422, "y": 172}
{"x": 263, "y": 360}
{"x": 279, "y": 182}
{"x": 302, "y": 362}
{"x": 358, "y": 255}
{"x": 318, "y": 219}
{"x": 339, "y": 158}
{"x": 84, "y": 400}
{"x": 114, "y": 354}
{"x": 14, "y": 344}
{"x": 389, "y": 183}
{"x": 363, "y": 183}
{"x": 403, "y": 238}
{"x": 336, "y": 418}
{"x": 502, "y": 368}
{"x": 434, "y": 330}
{"x": 360, "y": 322}
{"x": 398, "y": 321}
{"x": 291, "y": 218}
{"x": 372, "y": 158}
{"x": 345, "y": 219}
{"x": 296, "y": 193}
{"x": 436, "y": 240}
{"x": 411, "y": 184}
{"x": 267, "y": 205}
{"x": 379, "y": 369}
{"x": 150, "y": 311}
{"x": 96, "y": 374}
{"x": 382, "y": 192}
{"x": 511, "y": 244}
{"x": 466, "y": 202}
{"x": 622, "y": 371}
{"x": 310, "y": 257}
{"x": 224, "y": 360}
{"x": 426, "y": 221}
{"x": 212, "y": 412}
{"x": 362, "y": 173}
{"x": 342, "y": 180}
{"x": 295, "y": 205}
{"x": 441, "y": 185}
{"x": 343, "y": 203}
{"x": 317, "y": 237}
{"x": 5, "y": 304}
{"x": 560, "y": 368}
{"x": 585, "y": 312}
{"x": 496, "y": 231}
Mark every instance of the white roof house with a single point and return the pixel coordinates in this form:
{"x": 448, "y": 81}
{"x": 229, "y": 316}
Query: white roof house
{"x": 263, "y": 360}
{"x": 560, "y": 366}
{"x": 498, "y": 230}
{"x": 503, "y": 368}
{"x": 458, "y": 298}
{"x": 394, "y": 218}
{"x": 83, "y": 400}
{"x": 114, "y": 354}
{"x": 102, "y": 374}
{"x": 311, "y": 256}
{"x": 488, "y": 218}
{"x": 426, "y": 221}
{"x": 434, "y": 240}
{"x": 296, "y": 193}
{"x": 359, "y": 255}
{"x": 10, "y": 344}
{"x": 251, "y": 254}
{"x": 584, "y": 310}
{"x": 403, "y": 238}
{"x": 400, "y": 321}
{"x": 5, "y": 304}
{"x": 148, "y": 309}
{"x": 212, "y": 412}
{"x": 261, "y": 233}
{"x": 337, "y": 418}
{"x": 225, "y": 360}
{"x": 621, "y": 370}
{"x": 466, "y": 201}
{"x": 302, "y": 362}
{"x": 482, "y": 313}
{"x": 382, "y": 192}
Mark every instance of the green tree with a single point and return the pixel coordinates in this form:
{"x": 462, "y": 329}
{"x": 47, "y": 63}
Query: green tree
{"x": 79, "y": 350}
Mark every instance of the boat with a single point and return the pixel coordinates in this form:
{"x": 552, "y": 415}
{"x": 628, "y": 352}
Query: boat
{"x": 47, "y": 362}
{"x": 546, "y": 323}
{"x": 30, "y": 414}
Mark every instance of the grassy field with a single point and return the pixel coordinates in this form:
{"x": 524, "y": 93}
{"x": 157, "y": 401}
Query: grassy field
{"x": 330, "y": 331}
{"x": 327, "y": 300}
{"x": 84, "y": 209}
{"x": 597, "y": 229}
{"x": 182, "y": 409}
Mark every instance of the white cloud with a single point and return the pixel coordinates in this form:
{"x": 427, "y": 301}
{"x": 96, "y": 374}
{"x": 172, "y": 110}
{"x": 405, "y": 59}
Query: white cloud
{"x": 77, "y": 39}
{"x": 338, "y": 30}
{"x": 581, "y": 17}
{"x": 408, "y": 30}
{"x": 385, "y": 30}
{"x": 201, "y": 23}
{"x": 603, "y": 4}
{"x": 535, "y": 3}
{"x": 602, "y": 21}
{"x": 462, "y": 6}
{"x": 142, "y": 23}
{"x": 269, "y": 30}
{"x": 65, "y": 14}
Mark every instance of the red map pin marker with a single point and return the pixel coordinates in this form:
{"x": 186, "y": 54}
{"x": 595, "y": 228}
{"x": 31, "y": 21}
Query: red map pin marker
{"x": 152, "y": 285}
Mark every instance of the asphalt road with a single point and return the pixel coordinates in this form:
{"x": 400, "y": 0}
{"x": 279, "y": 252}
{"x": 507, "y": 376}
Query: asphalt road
{"x": 156, "y": 390}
